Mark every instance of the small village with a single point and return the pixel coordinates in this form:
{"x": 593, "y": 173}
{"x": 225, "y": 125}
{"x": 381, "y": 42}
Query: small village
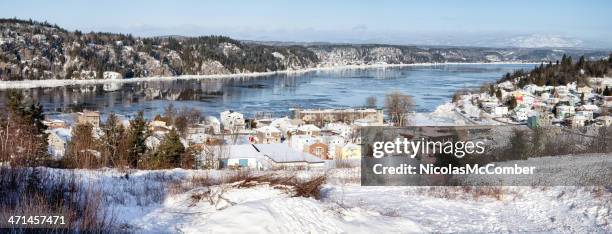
{"x": 308, "y": 138}
{"x": 568, "y": 105}
{"x": 330, "y": 137}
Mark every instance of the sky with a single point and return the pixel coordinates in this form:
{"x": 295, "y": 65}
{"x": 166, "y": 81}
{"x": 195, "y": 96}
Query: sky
{"x": 436, "y": 22}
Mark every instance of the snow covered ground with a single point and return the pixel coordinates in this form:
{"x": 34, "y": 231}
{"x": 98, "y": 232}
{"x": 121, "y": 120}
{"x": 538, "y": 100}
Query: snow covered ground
{"x": 171, "y": 201}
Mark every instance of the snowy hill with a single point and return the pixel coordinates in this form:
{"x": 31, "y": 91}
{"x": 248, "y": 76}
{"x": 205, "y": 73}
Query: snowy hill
{"x": 199, "y": 201}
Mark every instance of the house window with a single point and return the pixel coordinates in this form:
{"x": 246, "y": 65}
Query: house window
{"x": 319, "y": 151}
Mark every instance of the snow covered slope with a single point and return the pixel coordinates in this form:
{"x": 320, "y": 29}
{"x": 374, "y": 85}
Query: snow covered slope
{"x": 171, "y": 201}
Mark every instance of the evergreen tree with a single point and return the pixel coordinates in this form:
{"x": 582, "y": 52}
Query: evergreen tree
{"x": 607, "y": 92}
{"x": 511, "y": 103}
{"x": 498, "y": 94}
{"x": 137, "y": 134}
{"x": 169, "y": 151}
{"x": 24, "y": 139}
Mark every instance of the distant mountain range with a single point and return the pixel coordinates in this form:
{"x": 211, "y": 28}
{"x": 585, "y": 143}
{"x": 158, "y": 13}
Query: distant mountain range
{"x": 32, "y": 50}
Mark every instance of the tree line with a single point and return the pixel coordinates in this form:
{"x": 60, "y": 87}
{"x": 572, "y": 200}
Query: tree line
{"x": 24, "y": 140}
{"x": 562, "y": 72}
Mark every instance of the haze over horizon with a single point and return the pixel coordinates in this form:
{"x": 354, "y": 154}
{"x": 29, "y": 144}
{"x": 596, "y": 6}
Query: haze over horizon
{"x": 466, "y": 23}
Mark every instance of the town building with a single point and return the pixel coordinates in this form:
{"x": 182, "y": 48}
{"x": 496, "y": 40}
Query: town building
{"x": 55, "y": 123}
{"x": 350, "y": 151}
{"x": 319, "y": 149}
{"x": 309, "y": 130}
{"x": 578, "y": 121}
{"x": 321, "y": 116}
{"x": 520, "y": 114}
{"x": 57, "y": 140}
{"x": 500, "y": 111}
{"x": 232, "y": 121}
{"x": 286, "y": 125}
{"x": 89, "y": 117}
{"x": 267, "y": 156}
{"x": 341, "y": 129}
{"x": 301, "y": 142}
{"x": 564, "y": 111}
{"x": 605, "y": 120}
{"x": 268, "y": 135}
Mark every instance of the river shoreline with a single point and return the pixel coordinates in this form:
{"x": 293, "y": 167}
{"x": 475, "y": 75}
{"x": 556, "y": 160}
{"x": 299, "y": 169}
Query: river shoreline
{"x": 29, "y": 84}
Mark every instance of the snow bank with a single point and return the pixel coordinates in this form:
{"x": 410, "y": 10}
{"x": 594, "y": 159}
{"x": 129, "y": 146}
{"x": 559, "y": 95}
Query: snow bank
{"x": 444, "y": 115}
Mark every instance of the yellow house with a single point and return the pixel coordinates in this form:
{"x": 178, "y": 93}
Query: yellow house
{"x": 350, "y": 151}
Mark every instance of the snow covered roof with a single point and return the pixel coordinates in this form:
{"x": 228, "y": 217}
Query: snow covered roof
{"x": 308, "y": 127}
{"x": 63, "y": 133}
{"x": 282, "y": 153}
{"x": 241, "y": 151}
{"x": 228, "y": 114}
{"x": 279, "y": 153}
{"x": 605, "y": 117}
{"x": 281, "y": 121}
{"x": 268, "y": 129}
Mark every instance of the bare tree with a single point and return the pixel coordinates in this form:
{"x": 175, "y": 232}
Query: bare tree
{"x": 399, "y": 106}
{"x": 371, "y": 101}
{"x": 212, "y": 153}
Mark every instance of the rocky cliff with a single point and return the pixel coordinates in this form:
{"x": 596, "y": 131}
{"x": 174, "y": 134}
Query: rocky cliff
{"x": 32, "y": 50}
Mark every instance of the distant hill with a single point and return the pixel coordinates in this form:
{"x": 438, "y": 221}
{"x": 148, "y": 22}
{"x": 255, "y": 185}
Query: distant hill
{"x": 31, "y": 50}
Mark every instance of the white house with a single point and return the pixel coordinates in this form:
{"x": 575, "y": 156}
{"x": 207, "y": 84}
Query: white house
{"x": 268, "y": 135}
{"x": 564, "y": 111}
{"x": 153, "y": 141}
{"x": 57, "y": 140}
{"x": 562, "y": 91}
{"x": 578, "y": 121}
{"x": 197, "y": 138}
{"x": 341, "y": 129}
{"x": 232, "y": 121}
{"x": 588, "y": 107}
{"x": 286, "y": 125}
{"x": 333, "y": 143}
{"x": 488, "y": 106}
{"x": 531, "y": 88}
{"x": 520, "y": 114}
{"x": 309, "y": 129}
{"x": 605, "y": 120}
{"x": 506, "y": 85}
{"x": 528, "y": 100}
{"x": 588, "y": 115}
{"x": 350, "y": 151}
{"x": 213, "y": 123}
{"x": 267, "y": 156}
{"x": 500, "y": 111}
{"x": 301, "y": 142}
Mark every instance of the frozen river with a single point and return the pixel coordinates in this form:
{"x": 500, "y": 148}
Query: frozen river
{"x": 429, "y": 85}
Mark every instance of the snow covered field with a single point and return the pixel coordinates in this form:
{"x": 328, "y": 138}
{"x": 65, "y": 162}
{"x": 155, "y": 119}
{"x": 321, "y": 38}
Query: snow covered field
{"x": 171, "y": 201}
